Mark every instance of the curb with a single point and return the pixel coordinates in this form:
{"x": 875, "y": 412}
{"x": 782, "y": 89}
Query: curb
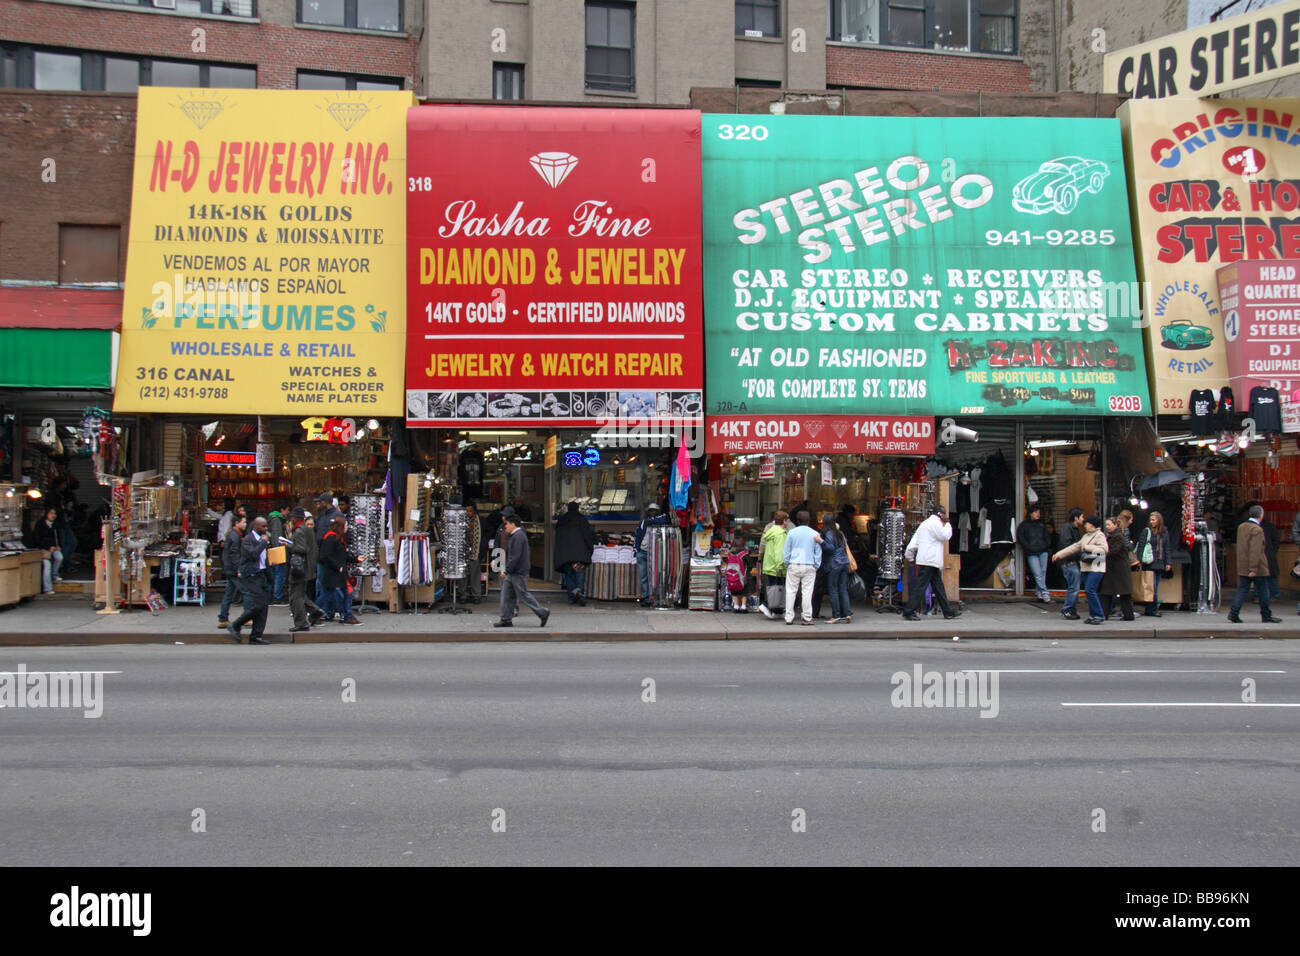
{"x": 537, "y": 635}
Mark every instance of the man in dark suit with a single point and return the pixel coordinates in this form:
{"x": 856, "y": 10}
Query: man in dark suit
{"x": 230, "y": 567}
{"x": 256, "y": 579}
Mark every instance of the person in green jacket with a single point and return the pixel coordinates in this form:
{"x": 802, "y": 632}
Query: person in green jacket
{"x": 279, "y": 572}
{"x": 772, "y": 557}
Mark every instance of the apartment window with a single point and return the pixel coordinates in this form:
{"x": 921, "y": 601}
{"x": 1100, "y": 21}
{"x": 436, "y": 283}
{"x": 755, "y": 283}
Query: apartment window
{"x": 89, "y": 254}
{"x": 507, "y": 81}
{"x": 353, "y": 14}
{"x": 229, "y": 8}
{"x": 308, "y": 80}
{"x": 57, "y": 71}
{"x": 610, "y": 30}
{"x": 26, "y": 67}
{"x": 986, "y": 26}
{"x": 997, "y": 26}
{"x": 758, "y": 18}
{"x": 853, "y": 21}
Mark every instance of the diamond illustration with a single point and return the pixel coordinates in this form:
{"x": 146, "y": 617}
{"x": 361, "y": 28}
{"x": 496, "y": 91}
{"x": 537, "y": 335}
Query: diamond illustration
{"x": 553, "y": 167}
{"x": 814, "y": 427}
{"x": 347, "y": 115}
{"x": 839, "y": 428}
{"x": 201, "y": 112}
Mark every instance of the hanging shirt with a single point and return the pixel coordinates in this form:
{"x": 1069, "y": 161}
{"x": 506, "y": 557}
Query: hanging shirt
{"x": 1202, "y": 406}
{"x": 999, "y": 524}
{"x": 1227, "y": 408}
{"x": 1266, "y": 409}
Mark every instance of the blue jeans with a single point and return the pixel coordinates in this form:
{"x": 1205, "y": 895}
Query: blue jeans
{"x": 1038, "y": 567}
{"x": 279, "y": 574}
{"x": 1091, "y": 582}
{"x": 574, "y": 581}
{"x": 1072, "y": 576}
{"x": 643, "y": 567}
{"x": 333, "y": 601}
{"x": 232, "y": 591}
{"x": 1244, "y": 584}
{"x": 837, "y": 585}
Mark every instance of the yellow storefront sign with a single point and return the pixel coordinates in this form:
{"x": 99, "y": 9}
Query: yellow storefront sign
{"x": 266, "y": 272}
{"x": 1212, "y": 182}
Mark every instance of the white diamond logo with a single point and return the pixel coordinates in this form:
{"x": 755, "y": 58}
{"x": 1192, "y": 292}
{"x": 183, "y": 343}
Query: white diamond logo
{"x": 814, "y": 427}
{"x": 553, "y": 167}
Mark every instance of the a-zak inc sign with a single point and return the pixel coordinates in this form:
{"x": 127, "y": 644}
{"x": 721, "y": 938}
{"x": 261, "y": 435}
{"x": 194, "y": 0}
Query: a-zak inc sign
{"x": 1225, "y": 55}
{"x": 819, "y": 435}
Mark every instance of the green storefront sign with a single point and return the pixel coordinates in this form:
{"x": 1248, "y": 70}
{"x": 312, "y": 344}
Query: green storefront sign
{"x": 919, "y": 267}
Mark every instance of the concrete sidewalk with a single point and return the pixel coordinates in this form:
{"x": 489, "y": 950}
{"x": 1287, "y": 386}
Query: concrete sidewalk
{"x": 68, "y": 619}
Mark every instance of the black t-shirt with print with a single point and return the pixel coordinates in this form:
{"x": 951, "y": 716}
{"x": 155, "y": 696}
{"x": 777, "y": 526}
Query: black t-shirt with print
{"x": 1201, "y": 404}
{"x": 1266, "y": 409}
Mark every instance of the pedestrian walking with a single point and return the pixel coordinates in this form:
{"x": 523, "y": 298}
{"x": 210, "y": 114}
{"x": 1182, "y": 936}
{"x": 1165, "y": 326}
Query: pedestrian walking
{"x": 1089, "y": 551}
{"x": 514, "y": 579}
{"x": 574, "y": 543}
{"x": 279, "y": 572}
{"x": 1034, "y": 540}
{"x": 302, "y": 572}
{"x": 1117, "y": 582}
{"x": 1071, "y": 533}
{"x": 1252, "y": 568}
{"x": 925, "y": 550}
{"x": 332, "y": 558}
{"x": 256, "y": 582}
{"x": 835, "y": 555}
{"x": 802, "y": 554}
{"x": 1153, "y": 547}
{"x": 230, "y": 546}
{"x": 771, "y": 552}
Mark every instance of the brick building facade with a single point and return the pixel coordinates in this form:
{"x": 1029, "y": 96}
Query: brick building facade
{"x": 893, "y": 69}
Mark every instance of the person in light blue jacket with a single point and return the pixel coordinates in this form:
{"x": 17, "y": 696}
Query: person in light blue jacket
{"x": 803, "y": 556}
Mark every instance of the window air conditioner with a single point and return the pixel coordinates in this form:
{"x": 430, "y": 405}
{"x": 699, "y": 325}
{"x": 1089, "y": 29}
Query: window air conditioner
{"x": 165, "y": 4}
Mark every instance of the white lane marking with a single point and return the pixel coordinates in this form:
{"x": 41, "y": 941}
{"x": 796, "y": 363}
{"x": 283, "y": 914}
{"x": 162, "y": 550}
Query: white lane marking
{"x": 1130, "y": 671}
{"x": 21, "y": 673}
{"x": 1169, "y": 704}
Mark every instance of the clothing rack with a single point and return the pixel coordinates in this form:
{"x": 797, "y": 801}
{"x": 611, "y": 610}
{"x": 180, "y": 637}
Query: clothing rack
{"x": 414, "y": 565}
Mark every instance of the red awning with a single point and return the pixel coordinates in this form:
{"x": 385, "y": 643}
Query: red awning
{"x": 43, "y": 307}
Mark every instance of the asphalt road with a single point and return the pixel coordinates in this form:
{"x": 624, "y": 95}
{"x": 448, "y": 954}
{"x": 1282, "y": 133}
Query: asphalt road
{"x": 558, "y": 740}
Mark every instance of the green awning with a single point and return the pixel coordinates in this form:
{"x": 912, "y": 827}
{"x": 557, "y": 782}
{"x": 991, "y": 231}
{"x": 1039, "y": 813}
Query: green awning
{"x": 56, "y": 358}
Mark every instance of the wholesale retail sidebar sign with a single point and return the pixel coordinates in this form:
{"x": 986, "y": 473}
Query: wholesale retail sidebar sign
{"x": 268, "y": 247}
{"x": 918, "y": 267}
{"x": 554, "y": 267}
{"x": 1214, "y": 182}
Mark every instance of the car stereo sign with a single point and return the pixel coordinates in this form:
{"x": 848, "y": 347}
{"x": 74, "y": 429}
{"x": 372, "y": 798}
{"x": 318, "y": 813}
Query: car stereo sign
{"x": 554, "y": 267}
{"x": 1214, "y": 183}
{"x": 918, "y": 267}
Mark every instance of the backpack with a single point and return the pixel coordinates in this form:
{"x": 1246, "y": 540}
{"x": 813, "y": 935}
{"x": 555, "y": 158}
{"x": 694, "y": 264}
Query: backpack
{"x": 735, "y": 573}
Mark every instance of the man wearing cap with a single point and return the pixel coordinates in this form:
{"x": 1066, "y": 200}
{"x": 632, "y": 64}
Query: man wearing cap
{"x": 514, "y": 579}
{"x": 654, "y": 515}
{"x": 926, "y": 550}
{"x": 326, "y": 512}
{"x": 574, "y": 543}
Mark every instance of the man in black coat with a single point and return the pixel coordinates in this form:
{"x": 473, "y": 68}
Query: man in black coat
{"x": 574, "y": 541}
{"x": 256, "y": 579}
{"x": 325, "y": 515}
{"x": 514, "y": 579}
{"x": 304, "y": 546}
{"x": 230, "y": 567}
